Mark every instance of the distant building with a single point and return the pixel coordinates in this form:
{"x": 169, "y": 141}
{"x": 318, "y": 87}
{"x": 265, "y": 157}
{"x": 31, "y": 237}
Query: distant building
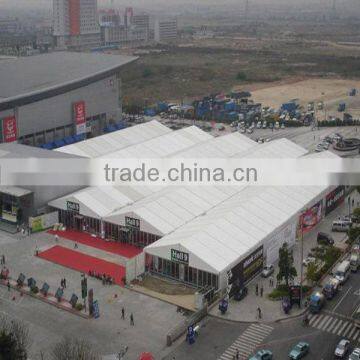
{"x": 129, "y": 28}
{"x": 165, "y": 30}
{"x": 9, "y": 25}
{"x": 142, "y": 24}
{"x": 76, "y": 24}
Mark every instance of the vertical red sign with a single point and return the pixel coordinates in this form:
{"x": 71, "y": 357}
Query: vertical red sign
{"x": 9, "y": 129}
{"x": 79, "y": 112}
{"x": 80, "y": 117}
{"x": 74, "y": 17}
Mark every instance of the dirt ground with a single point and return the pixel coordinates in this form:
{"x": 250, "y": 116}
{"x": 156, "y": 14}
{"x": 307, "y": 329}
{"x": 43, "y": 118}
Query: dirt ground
{"x": 328, "y": 90}
{"x": 165, "y": 287}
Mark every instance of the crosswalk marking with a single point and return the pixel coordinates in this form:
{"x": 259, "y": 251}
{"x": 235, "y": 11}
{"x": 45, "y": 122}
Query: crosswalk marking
{"x": 335, "y": 324}
{"x": 247, "y": 342}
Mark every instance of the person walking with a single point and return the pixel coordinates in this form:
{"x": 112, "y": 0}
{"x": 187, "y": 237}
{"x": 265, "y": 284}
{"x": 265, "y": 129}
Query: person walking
{"x": 122, "y": 313}
{"x": 8, "y": 285}
{"x": 56, "y": 238}
{"x": 261, "y": 291}
{"x": 3, "y": 259}
{"x": 259, "y": 312}
{"x": 132, "y": 320}
{"x": 257, "y": 290}
{"x": 237, "y": 355}
{"x": 64, "y": 282}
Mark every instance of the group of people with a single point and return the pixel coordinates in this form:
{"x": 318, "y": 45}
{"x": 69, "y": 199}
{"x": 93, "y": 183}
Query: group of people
{"x": 132, "y": 323}
{"x": 257, "y": 290}
{"x": 24, "y": 229}
{"x": 106, "y": 279}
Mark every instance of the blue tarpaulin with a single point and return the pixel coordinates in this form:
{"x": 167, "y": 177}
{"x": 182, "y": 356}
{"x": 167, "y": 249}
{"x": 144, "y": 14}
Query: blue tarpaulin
{"x": 69, "y": 140}
{"x": 59, "y": 143}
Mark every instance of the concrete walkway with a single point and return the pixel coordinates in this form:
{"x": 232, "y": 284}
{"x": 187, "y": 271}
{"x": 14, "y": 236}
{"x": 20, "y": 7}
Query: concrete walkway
{"x": 246, "y": 309}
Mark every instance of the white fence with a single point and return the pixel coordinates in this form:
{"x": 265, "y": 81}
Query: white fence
{"x": 135, "y": 267}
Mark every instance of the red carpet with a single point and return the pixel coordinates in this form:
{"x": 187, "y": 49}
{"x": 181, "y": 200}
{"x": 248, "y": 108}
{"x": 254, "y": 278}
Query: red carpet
{"x": 83, "y": 263}
{"x": 126, "y": 250}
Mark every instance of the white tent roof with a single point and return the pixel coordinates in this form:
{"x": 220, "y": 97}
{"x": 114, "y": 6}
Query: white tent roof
{"x": 116, "y": 140}
{"x": 232, "y": 229}
{"x": 172, "y": 207}
{"x": 100, "y": 201}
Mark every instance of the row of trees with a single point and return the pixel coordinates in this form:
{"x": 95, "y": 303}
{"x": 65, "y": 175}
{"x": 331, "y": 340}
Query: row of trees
{"x": 15, "y": 343}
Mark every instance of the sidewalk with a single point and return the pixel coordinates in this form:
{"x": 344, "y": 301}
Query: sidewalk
{"x": 246, "y": 309}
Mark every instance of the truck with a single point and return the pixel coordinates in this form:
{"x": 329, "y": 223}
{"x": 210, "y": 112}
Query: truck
{"x": 331, "y": 288}
{"x": 317, "y": 302}
{"x": 354, "y": 261}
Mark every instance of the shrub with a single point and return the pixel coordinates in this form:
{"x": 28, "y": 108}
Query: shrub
{"x": 241, "y": 76}
{"x": 79, "y": 306}
{"x": 34, "y": 289}
{"x": 147, "y": 72}
{"x": 279, "y": 292}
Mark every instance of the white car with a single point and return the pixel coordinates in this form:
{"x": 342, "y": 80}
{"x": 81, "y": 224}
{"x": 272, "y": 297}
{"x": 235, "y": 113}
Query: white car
{"x": 258, "y": 125}
{"x": 319, "y": 148}
{"x": 282, "y": 126}
{"x": 355, "y": 355}
{"x": 267, "y": 271}
{"x": 264, "y": 125}
{"x": 325, "y": 145}
{"x": 243, "y": 130}
{"x": 308, "y": 260}
{"x": 250, "y": 131}
{"x": 342, "y": 348}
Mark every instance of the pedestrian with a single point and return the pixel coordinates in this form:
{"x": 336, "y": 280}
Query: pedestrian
{"x": 132, "y": 320}
{"x": 353, "y": 202}
{"x": 8, "y": 285}
{"x": 261, "y": 291}
{"x": 237, "y": 355}
{"x": 257, "y": 290}
{"x": 64, "y": 282}
{"x": 3, "y": 259}
{"x": 122, "y": 313}
{"x": 314, "y": 137}
{"x": 29, "y": 231}
{"x": 259, "y": 312}
{"x": 56, "y": 238}
{"x": 76, "y": 245}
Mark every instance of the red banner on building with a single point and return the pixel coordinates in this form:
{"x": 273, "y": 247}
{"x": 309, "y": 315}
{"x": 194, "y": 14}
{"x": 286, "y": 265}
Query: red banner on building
{"x": 79, "y": 112}
{"x": 80, "y": 117}
{"x": 9, "y": 129}
{"x": 74, "y": 17}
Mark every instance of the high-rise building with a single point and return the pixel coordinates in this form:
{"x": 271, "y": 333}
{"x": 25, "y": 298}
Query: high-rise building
{"x": 75, "y": 23}
{"x": 165, "y": 30}
{"x": 142, "y": 23}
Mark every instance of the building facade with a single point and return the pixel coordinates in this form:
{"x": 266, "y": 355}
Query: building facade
{"x": 75, "y": 102}
{"x": 76, "y": 24}
{"x": 165, "y": 30}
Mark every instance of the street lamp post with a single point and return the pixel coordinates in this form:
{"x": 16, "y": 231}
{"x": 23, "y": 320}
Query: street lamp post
{"x": 301, "y": 254}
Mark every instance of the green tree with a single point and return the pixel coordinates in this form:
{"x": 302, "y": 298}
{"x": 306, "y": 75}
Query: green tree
{"x": 74, "y": 349}
{"x": 312, "y": 272}
{"x": 287, "y": 270}
{"x": 7, "y": 346}
{"x": 241, "y": 76}
{"x": 356, "y": 212}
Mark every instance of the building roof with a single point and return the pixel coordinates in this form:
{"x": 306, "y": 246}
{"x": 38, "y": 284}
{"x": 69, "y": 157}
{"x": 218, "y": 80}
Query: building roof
{"x": 19, "y": 151}
{"x": 117, "y": 140}
{"x": 170, "y": 208}
{"x": 218, "y": 239}
{"x": 101, "y": 201}
{"x": 28, "y": 79}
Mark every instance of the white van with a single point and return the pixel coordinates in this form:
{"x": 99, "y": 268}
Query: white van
{"x": 342, "y": 272}
{"x": 341, "y": 226}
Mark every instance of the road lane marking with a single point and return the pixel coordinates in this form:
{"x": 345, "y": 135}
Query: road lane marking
{"x": 343, "y": 297}
{"x": 342, "y": 329}
{"x": 337, "y": 327}
{"x": 322, "y": 322}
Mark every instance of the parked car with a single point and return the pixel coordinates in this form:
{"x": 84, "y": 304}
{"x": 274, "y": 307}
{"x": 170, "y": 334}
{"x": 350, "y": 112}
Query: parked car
{"x": 271, "y": 125}
{"x": 264, "y": 125}
{"x": 341, "y": 225}
{"x": 267, "y": 271}
{"x": 355, "y": 355}
{"x": 250, "y": 131}
{"x": 325, "y": 145}
{"x": 299, "y": 350}
{"x": 277, "y": 125}
{"x": 243, "y": 131}
{"x": 282, "y": 126}
{"x": 342, "y": 348}
{"x": 324, "y": 239}
{"x": 319, "y": 148}
{"x": 239, "y": 295}
{"x": 262, "y": 355}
